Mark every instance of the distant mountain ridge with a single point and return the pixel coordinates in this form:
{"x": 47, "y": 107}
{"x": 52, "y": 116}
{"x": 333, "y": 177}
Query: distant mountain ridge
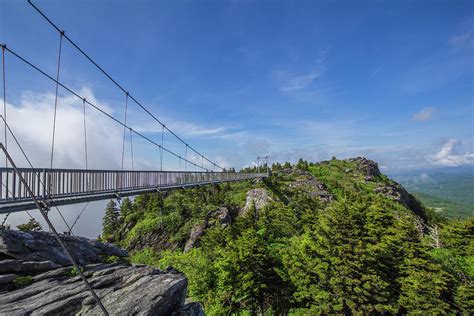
{"x": 448, "y": 190}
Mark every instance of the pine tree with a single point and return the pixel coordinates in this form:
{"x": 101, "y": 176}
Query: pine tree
{"x": 110, "y": 222}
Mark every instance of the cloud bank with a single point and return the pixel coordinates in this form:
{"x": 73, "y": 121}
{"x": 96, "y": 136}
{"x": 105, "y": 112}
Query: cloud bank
{"x": 449, "y": 155}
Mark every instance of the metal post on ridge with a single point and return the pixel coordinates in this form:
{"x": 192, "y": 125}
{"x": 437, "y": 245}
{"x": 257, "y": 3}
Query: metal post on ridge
{"x": 265, "y": 160}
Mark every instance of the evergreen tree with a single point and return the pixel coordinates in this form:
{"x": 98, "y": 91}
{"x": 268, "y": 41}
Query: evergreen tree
{"x": 110, "y": 221}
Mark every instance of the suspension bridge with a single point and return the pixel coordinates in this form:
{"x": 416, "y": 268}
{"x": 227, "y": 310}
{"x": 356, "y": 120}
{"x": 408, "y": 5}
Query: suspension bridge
{"x": 45, "y": 188}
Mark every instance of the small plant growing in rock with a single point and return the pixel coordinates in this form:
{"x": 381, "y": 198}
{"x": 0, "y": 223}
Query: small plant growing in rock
{"x": 23, "y": 280}
{"x": 32, "y": 225}
{"x": 75, "y": 272}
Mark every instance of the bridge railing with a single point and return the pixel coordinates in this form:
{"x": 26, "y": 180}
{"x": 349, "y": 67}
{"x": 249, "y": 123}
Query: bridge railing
{"x": 62, "y": 183}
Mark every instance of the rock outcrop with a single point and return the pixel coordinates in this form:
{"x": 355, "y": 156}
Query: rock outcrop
{"x": 398, "y": 193}
{"x": 313, "y": 187}
{"x": 53, "y": 287}
{"x": 123, "y": 290}
{"x": 257, "y": 198}
{"x": 221, "y": 216}
{"x": 367, "y": 167}
{"x": 42, "y": 246}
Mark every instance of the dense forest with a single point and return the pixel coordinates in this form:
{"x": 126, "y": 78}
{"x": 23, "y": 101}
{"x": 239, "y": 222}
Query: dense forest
{"x": 335, "y": 237}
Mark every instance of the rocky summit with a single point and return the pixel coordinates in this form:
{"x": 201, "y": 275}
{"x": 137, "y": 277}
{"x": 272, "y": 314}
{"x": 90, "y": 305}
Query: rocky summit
{"x": 36, "y": 279}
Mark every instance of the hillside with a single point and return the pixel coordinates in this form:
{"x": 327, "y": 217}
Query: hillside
{"x": 315, "y": 238}
{"x": 449, "y": 192}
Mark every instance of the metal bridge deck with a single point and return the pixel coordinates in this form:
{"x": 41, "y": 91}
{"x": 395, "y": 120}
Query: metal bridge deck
{"x": 56, "y": 187}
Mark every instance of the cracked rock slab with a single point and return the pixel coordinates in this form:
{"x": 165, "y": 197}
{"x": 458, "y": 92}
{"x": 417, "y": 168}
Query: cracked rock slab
{"x": 123, "y": 290}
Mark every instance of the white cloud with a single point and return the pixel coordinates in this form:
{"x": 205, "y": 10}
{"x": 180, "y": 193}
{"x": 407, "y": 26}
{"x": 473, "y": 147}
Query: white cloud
{"x": 425, "y": 114}
{"x": 449, "y": 155}
{"x": 290, "y": 82}
{"x": 300, "y": 81}
{"x": 31, "y": 121}
{"x": 182, "y": 128}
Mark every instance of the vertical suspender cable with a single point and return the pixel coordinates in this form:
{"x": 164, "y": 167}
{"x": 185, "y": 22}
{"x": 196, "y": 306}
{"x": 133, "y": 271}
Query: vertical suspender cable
{"x": 61, "y": 34}
{"x": 131, "y": 148}
{"x": 85, "y": 131}
{"x": 161, "y": 148}
{"x": 124, "y": 128}
{"x": 4, "y": 102}
{"x": 5, "y": 126}
{"x": 5, "y": 116}
{"x": 185, "y": 162}
{"x": 87, "y": 166}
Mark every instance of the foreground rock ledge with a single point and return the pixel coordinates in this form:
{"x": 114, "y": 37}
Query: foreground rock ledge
{"x": 35, "y": 279}
{"x": 123, "y": 289}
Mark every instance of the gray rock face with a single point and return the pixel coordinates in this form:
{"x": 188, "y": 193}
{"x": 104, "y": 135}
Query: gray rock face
{"x": 48, "y": 288}
{"x": 398, "y": 193}
{"x": 20, "y": 266}
{"x": 366, "y": 166}
{"x": 312, "y": 187}
{"x": 196, "y": 232}
{"x": 123, "y": 290}
{"x": 220, "y": 216}
{"x": 42, "y": 246}
{"x": 256, "y": 197}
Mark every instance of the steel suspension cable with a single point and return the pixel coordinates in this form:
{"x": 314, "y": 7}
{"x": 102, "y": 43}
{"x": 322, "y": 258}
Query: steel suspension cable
{"x": 95, "y": 107}
{"x": 117, "y": 84}
{"x": 78, "y": 216}
{"x": 124, "y": 128}
{"x": 186, "y": 153}
{"x": 131, "y": 148}
{"x": 4, "y": 102}
{"x": 5, "y": 115}
{"x": 44, "y": 212}
{"x": 5, "y": 127}
{"x": 53, "y": 230}
{"x": 87, "y": 164}
{"x": 61, "y": 35}
{"x": 161, "y": 148}
{"x": 85, "y": 131}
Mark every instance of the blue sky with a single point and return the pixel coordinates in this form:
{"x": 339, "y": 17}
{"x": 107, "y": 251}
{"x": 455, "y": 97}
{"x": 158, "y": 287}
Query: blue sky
{"x": 390, "y": 80}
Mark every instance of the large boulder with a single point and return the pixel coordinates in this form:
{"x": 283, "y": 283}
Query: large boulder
{"x": 42, "y": 246}
{"x": 258, "y": 198}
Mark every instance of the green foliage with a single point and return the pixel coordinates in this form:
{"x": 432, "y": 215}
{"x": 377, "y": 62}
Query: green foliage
{"x": 146, "y": 256}
{"x": 446, "y": 207}
{"x": 23, "y": 280}
{"x": 357, "y": 253}
{"x": 75, "y": 272}
{"x": 32, "y": 225}
{"x": 111, "y": 221}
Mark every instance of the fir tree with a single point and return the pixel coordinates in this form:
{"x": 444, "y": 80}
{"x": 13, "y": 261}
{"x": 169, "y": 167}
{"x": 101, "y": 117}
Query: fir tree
{"x": 110, "y": 222}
